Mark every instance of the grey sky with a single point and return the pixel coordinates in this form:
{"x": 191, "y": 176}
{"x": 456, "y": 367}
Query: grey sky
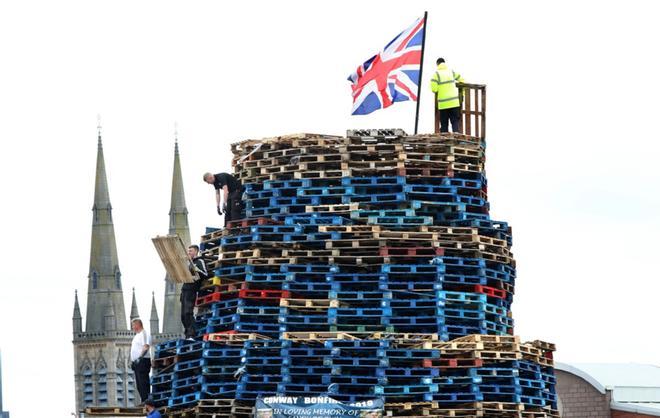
{"x": 572, "y": 151}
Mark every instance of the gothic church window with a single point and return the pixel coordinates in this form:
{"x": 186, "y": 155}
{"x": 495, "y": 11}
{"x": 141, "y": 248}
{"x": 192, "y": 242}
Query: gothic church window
{"x": 88, "y": 386}
{"x": 102, "y": 386}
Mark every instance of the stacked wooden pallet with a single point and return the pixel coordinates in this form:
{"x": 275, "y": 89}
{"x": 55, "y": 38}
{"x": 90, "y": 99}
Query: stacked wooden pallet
{"x": 365, "y": 266}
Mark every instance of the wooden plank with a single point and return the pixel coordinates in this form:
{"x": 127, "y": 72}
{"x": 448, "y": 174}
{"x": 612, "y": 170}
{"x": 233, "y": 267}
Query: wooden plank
{"x": 174, "y": 256}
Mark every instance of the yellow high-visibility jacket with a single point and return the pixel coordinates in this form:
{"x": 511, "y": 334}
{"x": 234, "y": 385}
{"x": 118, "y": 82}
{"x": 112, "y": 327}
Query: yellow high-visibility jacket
{"x": 444, "y": 83}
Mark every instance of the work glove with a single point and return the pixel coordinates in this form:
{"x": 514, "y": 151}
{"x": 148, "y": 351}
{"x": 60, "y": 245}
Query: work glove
{"x": 224, "y": 208}
{"x": 220, "y": 211}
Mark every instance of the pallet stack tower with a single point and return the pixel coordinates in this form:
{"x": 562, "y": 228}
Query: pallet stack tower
{"x": 365, "y": 266}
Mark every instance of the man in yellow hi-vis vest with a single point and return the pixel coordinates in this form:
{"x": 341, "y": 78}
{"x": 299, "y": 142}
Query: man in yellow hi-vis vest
{"x": 443, "y": 84}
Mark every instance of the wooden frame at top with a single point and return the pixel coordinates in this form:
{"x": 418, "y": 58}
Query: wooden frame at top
{"x": 473, "y": 110}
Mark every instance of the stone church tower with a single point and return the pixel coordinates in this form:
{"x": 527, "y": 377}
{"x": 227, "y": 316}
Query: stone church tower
{"x": 101, "y": 351}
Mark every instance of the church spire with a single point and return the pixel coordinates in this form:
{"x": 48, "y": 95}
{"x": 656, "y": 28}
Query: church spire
{"x": 104, "y": 279}
{"x": 178, "y": 209}
{"x": 153, "y": 319}
{"x": 77, "y": 318}
{"x": 179, "y": 226}
{"x": 134, "y": 308}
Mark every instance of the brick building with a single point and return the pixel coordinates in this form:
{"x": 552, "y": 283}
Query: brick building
{"x": 608, "y": 390}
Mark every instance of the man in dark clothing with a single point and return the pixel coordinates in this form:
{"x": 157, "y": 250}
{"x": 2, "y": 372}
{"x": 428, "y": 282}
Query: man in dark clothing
{"x": 189, "y": 291}
{"x": 230, "y": 204}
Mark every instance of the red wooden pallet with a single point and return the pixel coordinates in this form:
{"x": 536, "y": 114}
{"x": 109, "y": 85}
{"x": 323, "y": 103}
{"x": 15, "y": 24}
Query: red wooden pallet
{"x": 452, "y": 362}
{"x": 263, "y": 294}
{"x": 478, "y": 288}
{"x": 215, "y": 297}
{"x": 490, "y": 291}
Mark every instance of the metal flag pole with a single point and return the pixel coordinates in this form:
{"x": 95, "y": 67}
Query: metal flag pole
{"x": 421, "y": 66}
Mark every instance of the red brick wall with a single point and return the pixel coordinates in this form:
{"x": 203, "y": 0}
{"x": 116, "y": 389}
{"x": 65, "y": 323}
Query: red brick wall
{"x": 579, "y": 399}
{"x": 622, "y": 414}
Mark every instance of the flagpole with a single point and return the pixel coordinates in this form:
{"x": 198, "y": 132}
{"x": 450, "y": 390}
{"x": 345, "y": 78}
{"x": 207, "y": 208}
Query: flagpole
{"x": 421, "y": 66}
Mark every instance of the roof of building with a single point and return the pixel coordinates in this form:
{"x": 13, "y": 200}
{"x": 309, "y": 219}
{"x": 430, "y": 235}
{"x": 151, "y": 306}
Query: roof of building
{"x": 634, "y": 387}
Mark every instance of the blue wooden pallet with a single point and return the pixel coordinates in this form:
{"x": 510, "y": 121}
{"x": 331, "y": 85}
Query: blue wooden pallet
{"x": 161, "y": 398}
{"x": 359, "y": 296}
{"x": 374, "y": 198}
{"x": 366, "y": 352}
{"x": 185, "y": 366}
{"x": 406, "y": 390}
{"x": 408, "y": 372}
{"x": 324, "y": 191}
{"x": 409, "y": 287}
{"x": 434, "y": 199}
{"x": 315, "y": 219}
{"x": 223, "y": 368}
{"x": 356, "y": 286}
{"x": 221, "y": 352}
{"x": 166, "y": 349}
{"x": 447, "y": 181}
{"x": 358, "y": 312}
{"x": 273, "y": 278}
{"x": 391, "y": 213}
{"x": 219, "y": 390}
{"x": 353, "y": 380}
{"x": 267, "y": 344}
{"x": 398, "y": 354}
{"x": 349, "y": 370}
{"x": 355, "y": 362}
{"x": 362, "y": 181}
{"x": 429, "y": 189}
{"x": 302, "y": 389}
{"x": 302, "y": 277}
{"x": 531, "y": 387}
{"x": 532, "y": 400}
{"x": 354, "y": 277}
{"x": 309, "y": 268}
{"x": 306, "y": 352}
{"x": 297, "y": 287}
{"x": 184, "y": 400}
{"x": 491, "y": 274}
{"x": 161, "y": 378}
{"x": 464, "y": 376}
{"x": 413, "y": 268}
{"x": 187, "y": 384}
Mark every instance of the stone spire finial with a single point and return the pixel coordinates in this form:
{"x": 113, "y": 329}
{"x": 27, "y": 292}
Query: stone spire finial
{"x": 153, "y": 319}
{"x": 77, "y": 317}
{"x": 134, "y": 308}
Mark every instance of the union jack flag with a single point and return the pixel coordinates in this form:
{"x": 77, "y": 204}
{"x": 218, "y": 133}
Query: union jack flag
{"x": 390, "y": 76}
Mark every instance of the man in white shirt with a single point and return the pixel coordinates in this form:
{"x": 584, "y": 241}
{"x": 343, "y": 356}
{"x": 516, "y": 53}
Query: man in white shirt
{"x": 140, "y": 359}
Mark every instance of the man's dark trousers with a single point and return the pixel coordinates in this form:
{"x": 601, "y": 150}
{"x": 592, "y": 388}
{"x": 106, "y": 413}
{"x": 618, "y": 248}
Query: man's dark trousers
{"x": 188, "y": 297}
{"x": 452, "y": 115}
{"x": 234, "y": 206}
{"x": 141, "y": 370}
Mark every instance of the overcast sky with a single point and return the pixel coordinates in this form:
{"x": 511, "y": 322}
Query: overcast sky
{"x": 572, "y": 148}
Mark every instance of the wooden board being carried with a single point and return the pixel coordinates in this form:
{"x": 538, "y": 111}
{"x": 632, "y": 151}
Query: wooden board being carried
{"x": 174, "y": 256}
